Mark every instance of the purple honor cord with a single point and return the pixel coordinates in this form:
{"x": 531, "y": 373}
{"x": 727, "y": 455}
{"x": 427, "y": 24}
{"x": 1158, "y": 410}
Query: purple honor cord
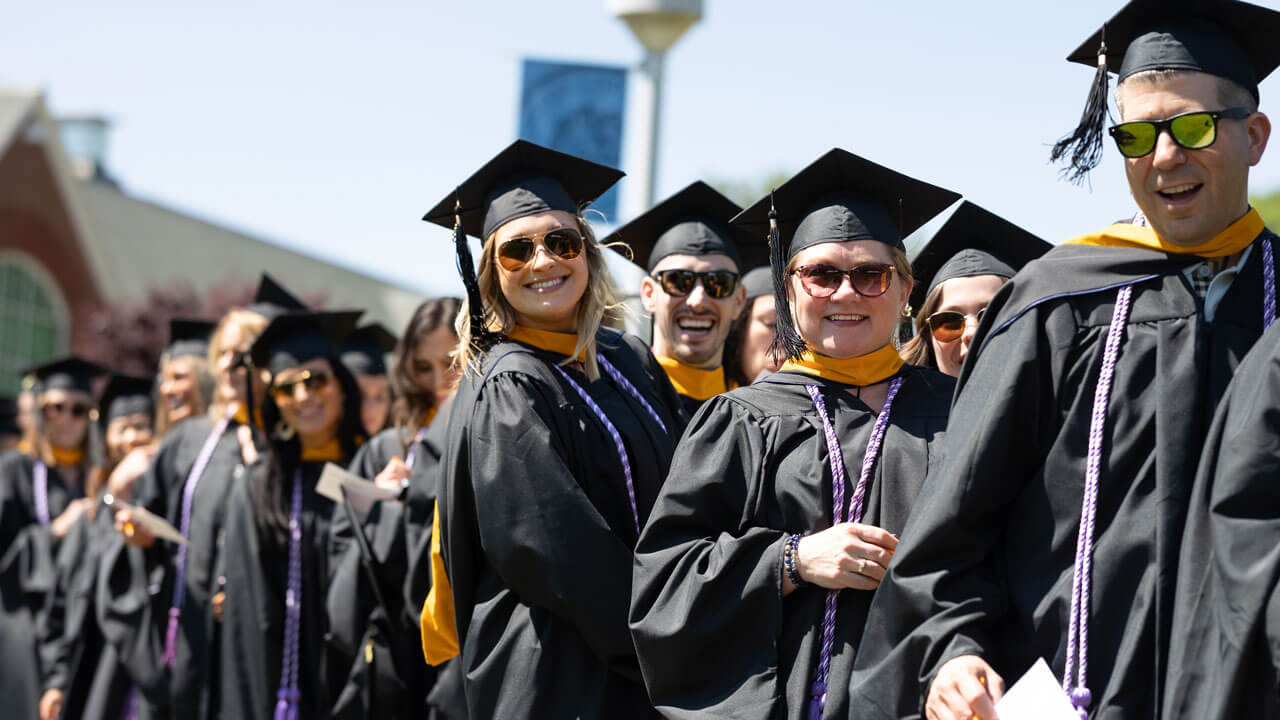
{"x": 40, "y": 488}
{"x": 288, "y": 695}
{"x": 180, "y": 562}
{"x": 412, "y": 455}
{"x": 1268, "y": 285}
{"x": 822, "y": 672}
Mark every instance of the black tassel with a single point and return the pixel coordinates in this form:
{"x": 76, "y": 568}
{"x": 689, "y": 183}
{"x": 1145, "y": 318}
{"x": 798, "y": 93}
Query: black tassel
{"x": 482, "y": 338}
{"x": 786, "y": 341}
{"x": 1084, "y": 144}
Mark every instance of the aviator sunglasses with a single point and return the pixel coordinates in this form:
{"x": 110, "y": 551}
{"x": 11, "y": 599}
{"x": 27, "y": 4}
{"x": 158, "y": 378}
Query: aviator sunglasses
{"x": 822, "y": 281}
{"x": 565, "y": 243}
{"x": 718, "y": 284}
{"x": 948, "y": 325}
{"x": 74, "y": 409}
{"x": 314, "y": 382}
{"x": 1193, "y": 131}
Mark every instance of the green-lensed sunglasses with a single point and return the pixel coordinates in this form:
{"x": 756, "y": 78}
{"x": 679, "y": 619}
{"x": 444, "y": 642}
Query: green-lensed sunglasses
{"x": 1193, "y": 131}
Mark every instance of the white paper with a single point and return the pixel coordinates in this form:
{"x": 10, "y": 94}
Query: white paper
{"x": 334, "y": 482}
{"x": 147, "y": 520}
{"x": 1037, "y": 696}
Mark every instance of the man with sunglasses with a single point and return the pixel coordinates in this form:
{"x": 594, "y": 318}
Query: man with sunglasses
{"x": 1052, "y": 529}
{"x": 693, "y": 290}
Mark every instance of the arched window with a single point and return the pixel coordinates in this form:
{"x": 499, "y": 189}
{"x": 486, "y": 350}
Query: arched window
{"x": 34, "y": 322}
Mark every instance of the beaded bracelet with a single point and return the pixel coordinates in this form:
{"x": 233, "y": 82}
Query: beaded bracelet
{"x": 789, "y": 555}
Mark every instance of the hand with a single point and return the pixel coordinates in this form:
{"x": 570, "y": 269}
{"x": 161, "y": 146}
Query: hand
{"x": 248, "y": 451}
{"x": 126, "y": 474}
{"x": 393, "y": 475}
{"x": 133, "y": 533}
{"x": 219, "y": 598}
{"x": 51, "y": 704}
{"x": 61, "y": 525}
{"x": 964, "y": 688}
{"x": 848, "y": 555}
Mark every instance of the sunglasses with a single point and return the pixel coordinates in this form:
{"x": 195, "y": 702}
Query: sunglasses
{"x": 948, "y": 325}
{"x": 74, "y": 409}
{"x": 718, "y": 284}
{"x": 1193, "y": 131}
{"x": 822, "y": 281}
{"x": 515, "y": 253}
{"x": 313, "y": 381}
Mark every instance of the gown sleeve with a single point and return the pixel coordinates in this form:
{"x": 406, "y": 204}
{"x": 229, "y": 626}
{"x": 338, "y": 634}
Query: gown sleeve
{"x": 247, "y": 684}
{"x": 707, "y": 580}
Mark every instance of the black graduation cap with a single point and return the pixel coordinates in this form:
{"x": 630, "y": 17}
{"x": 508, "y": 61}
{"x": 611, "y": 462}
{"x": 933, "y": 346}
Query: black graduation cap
{"x": 68, "y": 373}
{"x": 126, "y": 395}
{"x": 757, "y": 282}
{"x": 839, "y": 197}
{"x": 292, "y": 339}
{"x": 271, "y": 299}
{"x": 524, "y": 179}
{"x": 973, "y": 241}
{"x": 188, "y": 337}
{"x": 9, "y": 416}
{"x": 363, "y": 352}
{"x": 694, "y": 221}
{"x": 1227, "y": 38}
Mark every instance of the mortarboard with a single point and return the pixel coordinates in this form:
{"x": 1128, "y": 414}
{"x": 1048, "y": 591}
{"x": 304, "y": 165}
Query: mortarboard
{"x": 271, "y": 299}
{"x": 364, "y": 351}
{"x": 126, "y": 395}
{"x": 694, "y": 221}
{"x": 189, "y": 337}
{"x": 758, "y": 282}
{"x": 68, "y": 373}
{"x": 292, "y": 339}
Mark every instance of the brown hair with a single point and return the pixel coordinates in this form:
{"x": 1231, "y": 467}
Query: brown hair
{"x": 205, "y": 382}
{"x": 599, "y": 305}
{"x": 1230, "y": 92}
{"x": 919, "y": 350}
{"x": 411, "y": 401}
{"x": 250, "y": 324}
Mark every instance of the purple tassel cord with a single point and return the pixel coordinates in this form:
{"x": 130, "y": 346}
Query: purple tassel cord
{"x": 40, "y": 488}
{"x": 1268, "y": 285}
{"x": 288, "y": 696}
{"x": 821, "y": 673}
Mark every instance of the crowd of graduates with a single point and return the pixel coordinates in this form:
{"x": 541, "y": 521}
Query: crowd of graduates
{"x": 838, "y": 481}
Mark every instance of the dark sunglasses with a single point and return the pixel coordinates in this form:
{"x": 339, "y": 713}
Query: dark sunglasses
{"x": 1193, "y": 131}
{"x": 515, "y": 253}
{"x": 822, "y": 281}
{"x": 314, "y": 382}
{"x": 718, "y": 284}
{"x": 948, "y": 325}
{"x": 74, "y": 409}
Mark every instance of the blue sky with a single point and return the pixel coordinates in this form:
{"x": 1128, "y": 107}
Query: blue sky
{"x": 330, "y": 127}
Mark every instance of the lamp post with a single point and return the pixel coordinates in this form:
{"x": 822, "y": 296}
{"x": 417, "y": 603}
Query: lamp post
{"x": 657, "y": 24}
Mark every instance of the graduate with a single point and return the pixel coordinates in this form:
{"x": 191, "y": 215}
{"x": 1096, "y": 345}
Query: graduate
{"x": 83, "y": 676}
{"x": 364, "y": 354}
{"x": 276, "y": 549}
{"x": 958, "y": 271}
{"x": 777, "y": 520}
{"x": 405, "y": 459}
{"x": 692, "y": 291}
{"x": 186, "y": 380}
{"x": 559, "y": 438}
{"x": 42, "y": 495}
{"x": 747, "y": 355}
{"x": 170, "y": 640}
{"x": 1051, "y": 529}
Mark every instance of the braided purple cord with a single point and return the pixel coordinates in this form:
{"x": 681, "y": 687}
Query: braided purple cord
{"x": 1078, "y": 631}
{"x": 287, "y": 696}
{"x": 617, "y": 441}
{"x": 1268, "y": 285}
{"x": 40, "y": 487}
{"x": 180, "y": 562}
{"x": 622, "y": 380}
{"x": 129, "y": 711}
{"x": 822, "y": 673}
{"x": 413, "y": 449}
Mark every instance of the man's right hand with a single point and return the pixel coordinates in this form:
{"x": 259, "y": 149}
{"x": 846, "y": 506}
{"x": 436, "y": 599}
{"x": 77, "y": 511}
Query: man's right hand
{"x": 964, "y": 688}
{"x": 393, "y": 475}
{"x": 51, "y": 704}
{"x": 133, "y": 533}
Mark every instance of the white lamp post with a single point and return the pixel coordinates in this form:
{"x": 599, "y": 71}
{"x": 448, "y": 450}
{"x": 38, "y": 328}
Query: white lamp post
{"x": 657, "y": 24}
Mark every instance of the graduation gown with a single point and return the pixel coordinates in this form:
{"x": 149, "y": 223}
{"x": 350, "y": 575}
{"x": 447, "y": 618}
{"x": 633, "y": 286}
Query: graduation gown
{"x": 1225, "y": 657}
{"x": 75, "y": 656}
{"x": 714, "y": 634}
{"x": 253, "y": 618}
{"x": 138, "y": 584}
{"x": 986, "y": 563}
{"x": 537, "y": 529}
{"x": 27, "y": 576}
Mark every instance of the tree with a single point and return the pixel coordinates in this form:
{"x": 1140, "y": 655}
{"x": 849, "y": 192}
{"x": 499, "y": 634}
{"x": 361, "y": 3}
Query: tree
{"x": 1268, "y": 206}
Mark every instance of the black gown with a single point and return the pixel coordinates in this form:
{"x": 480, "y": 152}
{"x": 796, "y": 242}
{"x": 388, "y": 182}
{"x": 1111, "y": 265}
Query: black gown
{"x": 253, "y": 616}
{"x": 27, "y": 576}
{"x": 75, "y": 657}
{"x": 986, "y": 564}
{"x": 138, "y": 584}
{"x": 1225, "y": 657}
{"x": 714, "y": 634}
{"x": 537, "y": 530}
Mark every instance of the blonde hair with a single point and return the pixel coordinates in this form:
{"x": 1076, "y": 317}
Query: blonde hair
{"x": 205, "y": 384}
{"x": 251, "y": 325}
{"x": 599, "y": 305}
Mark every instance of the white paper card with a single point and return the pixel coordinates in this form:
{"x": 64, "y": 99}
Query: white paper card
{"x": 1036, "y": 696}
{"x": 334, "y": 481}
{"x": 147, "y": 520}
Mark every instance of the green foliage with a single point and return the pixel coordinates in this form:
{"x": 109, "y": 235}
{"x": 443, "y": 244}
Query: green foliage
{"x": 1268, "y": 206}
{"x": 745, "y": 193}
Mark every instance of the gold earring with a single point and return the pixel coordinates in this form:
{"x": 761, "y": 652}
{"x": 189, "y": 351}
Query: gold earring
{"x": 906, "y": 311}
{"x": 283, "y": 431}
